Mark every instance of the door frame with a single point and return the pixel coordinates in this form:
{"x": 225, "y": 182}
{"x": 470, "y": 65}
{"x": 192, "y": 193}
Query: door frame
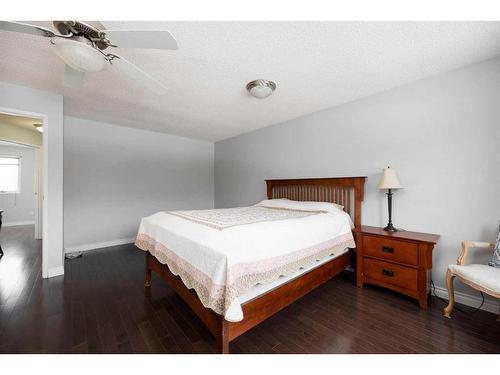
{"x": 39, "y": 192}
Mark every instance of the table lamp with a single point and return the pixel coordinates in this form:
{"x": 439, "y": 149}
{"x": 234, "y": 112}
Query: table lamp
{"x": 390, "y": 182}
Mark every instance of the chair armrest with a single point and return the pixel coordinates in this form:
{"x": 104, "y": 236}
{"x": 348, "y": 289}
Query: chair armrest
{"x": 466, "y": 245}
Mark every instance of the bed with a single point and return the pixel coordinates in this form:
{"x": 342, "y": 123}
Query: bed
{"x": 236, "y": 267}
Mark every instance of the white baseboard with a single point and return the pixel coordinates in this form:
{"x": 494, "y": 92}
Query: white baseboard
{"x": 56, "y": 271}
{"x": 15, "y": 223}
{"x": 468, "y": 300}
{"x": 99, "y": 245}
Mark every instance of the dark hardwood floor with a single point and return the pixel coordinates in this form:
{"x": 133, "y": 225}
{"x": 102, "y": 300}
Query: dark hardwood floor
{"x": 100, "y": 306}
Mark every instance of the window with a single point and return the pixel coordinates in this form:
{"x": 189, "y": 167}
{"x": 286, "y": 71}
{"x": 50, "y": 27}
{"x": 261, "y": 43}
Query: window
{"x": 9, "y": 174}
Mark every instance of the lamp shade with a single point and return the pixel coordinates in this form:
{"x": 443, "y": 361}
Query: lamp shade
{"x": 389, "y": 179}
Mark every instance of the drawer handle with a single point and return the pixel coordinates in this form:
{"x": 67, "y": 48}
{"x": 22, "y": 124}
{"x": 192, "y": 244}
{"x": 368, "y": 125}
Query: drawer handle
{"x": 387, "y": 249}
{"x": 388, "y": 273}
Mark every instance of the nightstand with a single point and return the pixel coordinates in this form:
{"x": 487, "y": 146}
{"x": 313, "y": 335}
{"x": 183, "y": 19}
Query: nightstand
{"x": 401, "y": 261}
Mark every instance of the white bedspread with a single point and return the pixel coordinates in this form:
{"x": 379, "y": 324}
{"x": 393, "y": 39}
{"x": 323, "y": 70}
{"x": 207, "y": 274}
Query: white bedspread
{"x": 221, "y": 265}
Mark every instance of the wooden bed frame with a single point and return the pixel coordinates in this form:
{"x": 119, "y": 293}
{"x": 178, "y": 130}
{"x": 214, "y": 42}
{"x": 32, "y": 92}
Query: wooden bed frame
{"x": 347, "y": 191}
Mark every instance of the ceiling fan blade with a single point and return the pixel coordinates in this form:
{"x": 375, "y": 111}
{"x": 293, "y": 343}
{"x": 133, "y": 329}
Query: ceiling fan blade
{"x": 140, "y": 76}
{"x": 150, "y": 39}
{"x": 25, "y": 28}
{"x": 72, "y": 78}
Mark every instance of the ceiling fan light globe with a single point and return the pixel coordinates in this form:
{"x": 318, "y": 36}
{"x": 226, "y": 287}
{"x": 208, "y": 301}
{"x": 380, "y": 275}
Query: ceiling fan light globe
{"x": 79, "y": 55}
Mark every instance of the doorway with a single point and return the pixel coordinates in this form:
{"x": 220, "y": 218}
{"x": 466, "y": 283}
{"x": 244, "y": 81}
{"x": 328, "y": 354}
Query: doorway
{"x": 21, "y": 181}
{"x": 20, "y": 176}
{"x": 29, "y": 102}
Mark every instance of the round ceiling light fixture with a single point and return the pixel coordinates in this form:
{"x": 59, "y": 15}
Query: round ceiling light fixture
{"x": 39, "y": 127}
{"x": 261, "y": 88}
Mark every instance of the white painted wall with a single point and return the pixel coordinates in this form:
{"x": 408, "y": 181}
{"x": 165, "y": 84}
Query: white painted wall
{"x": 441, "y": 134}
{"x": 37, "y": 103}
{"x": 19, "y": 208}
{"x": 114, "y": 176}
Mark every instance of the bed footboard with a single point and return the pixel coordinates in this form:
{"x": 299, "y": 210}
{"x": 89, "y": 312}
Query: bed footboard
{"x": 254, "y": 311}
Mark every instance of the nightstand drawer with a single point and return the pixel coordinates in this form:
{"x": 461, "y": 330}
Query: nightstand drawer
{"x": 390, "y": 273}
{"x": 389, "y": 249}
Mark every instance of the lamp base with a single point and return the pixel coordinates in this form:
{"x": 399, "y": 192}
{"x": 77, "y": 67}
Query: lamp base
{"x": 390, "y": 228}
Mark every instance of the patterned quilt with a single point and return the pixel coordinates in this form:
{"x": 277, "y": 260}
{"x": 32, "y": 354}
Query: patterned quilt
{"x": 230, "y": 217}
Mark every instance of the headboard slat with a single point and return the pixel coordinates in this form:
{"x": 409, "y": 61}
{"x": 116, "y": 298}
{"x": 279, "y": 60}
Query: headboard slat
{"x": 340, "y": 190}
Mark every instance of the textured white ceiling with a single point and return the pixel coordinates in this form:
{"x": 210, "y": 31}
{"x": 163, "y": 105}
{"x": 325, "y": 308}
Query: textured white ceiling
{"x": 316, "y": 65}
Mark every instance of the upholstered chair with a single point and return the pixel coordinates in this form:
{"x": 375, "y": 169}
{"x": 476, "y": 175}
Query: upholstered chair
{"x": 478, "y": 276}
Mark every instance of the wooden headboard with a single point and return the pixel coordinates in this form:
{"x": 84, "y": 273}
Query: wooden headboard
{"x": 346, "y": 191}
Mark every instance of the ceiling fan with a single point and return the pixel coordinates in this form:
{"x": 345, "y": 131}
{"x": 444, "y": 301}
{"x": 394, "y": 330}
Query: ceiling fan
{"x": 87, "y": 48}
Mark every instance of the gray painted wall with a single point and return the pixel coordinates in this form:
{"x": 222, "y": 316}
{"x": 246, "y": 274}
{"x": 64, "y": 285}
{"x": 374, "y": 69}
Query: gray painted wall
{"x": 20, "y": 208}
{"x": 115, "y": 175}
{"x": 442, "y": 135}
